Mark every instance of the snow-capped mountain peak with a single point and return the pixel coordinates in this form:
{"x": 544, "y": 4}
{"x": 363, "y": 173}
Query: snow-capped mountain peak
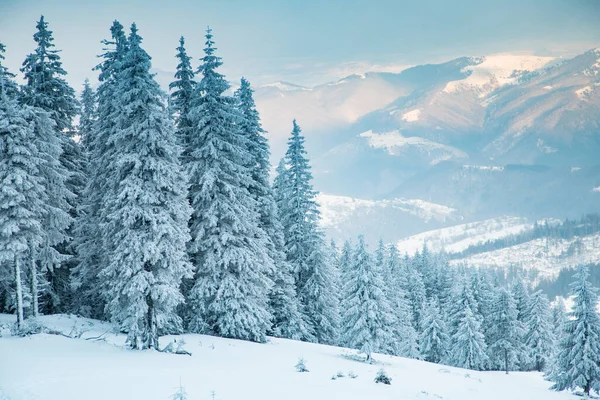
{"x": 488, "y": 73}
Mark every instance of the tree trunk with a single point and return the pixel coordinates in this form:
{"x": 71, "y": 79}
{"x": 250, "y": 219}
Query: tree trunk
{"x": 19, "y": 293}
{"x": 152, "y": 328}
{"x": 34, "y": 281}
{"x": 506, "y": 360}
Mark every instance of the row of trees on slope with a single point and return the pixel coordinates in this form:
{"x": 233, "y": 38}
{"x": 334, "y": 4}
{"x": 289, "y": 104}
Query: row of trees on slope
{"x": 166, "y": 223}
{"x": 157, "y": 222}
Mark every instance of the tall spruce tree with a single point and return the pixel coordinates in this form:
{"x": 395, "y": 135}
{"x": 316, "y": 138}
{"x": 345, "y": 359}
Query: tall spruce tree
{"x": 304, "y": 242}
{"x": 47, "y": 90}
{"x": 288, "y": 320}
{"x": 506, "y": 332}
{"x": 539, "y": 336}
{"x": 397, "y": 286}
{"x": 182, "y": 92}
{"x": 146, "y": 207}
{"x": 228, "y": 247}
{"x": 22, "y": 204}
{"x": 87, "y": 118}
{"x": 468, "y": 349}
{"x": 434, "y": 340}
{"x": 92, "y": 217}
{"x": 7, "y": 82}
{"x": 367, "y": 318}
{"x": 577, "y": 363}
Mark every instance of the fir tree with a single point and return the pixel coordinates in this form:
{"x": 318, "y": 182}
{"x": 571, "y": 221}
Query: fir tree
{"x": 146, "y": 208}
{"x": 559, "y": 317}
{"x": 539, "y": 337}
{"x": 288, "y": 320}
{"x": 47, "y": 90}
{"x": 228, "y": 247}
{"x": 468, "y": 348}
{"x": 22, "y": 204}
{"x": 304, "y": 243}
{"x": 99, "y": 148}
{"x": 7, "y": 83}
{"x": 88, "y": 115}
{"x": 394, "y": 273}
{"x": 45, "y": 87}
{"x": 578, "y": 359}
{"x": 367, "y": 318}
{"x": 416, "y": 292}
{"x": 434, "y": 340}
{"x": 506, "y": 332}
{"x": 183, "y": 90}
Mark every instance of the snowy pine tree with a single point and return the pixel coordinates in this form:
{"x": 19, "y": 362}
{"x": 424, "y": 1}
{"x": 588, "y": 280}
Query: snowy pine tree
{"x": 87, "y": 117}
{"x": 505, "y": 333}
{"x": 183, "y": 90}
{"x": 92, "y": 216}
{"x": 468, "y": 349}
{"x": 397, "y": 284}
{"x": 434, "y": 340}
{"x": 47, "y": 90}
{"x": 146, "y": 207}
{"x": 7, "y": 82}
{"x": 577, "y": 363}
{"x": 304, "y": 242}
{"x": 228, "y": 247}
{"x": 288, "y": 320}
{"x": 22, "y": 204}
{"x": 367, "y": 318}
{"x": 539, "y": 336}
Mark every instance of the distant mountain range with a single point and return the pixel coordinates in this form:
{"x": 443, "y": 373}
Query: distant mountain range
{"x": 505, "y": 134}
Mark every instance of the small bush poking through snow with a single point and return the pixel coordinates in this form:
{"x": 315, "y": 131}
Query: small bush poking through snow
{"x": 300, "y": 366}
{"x": 352, "y": 375}
{"x": 382, "y": 377}
{"x": 333, "y": 377}
{"x": 340, "y": 374}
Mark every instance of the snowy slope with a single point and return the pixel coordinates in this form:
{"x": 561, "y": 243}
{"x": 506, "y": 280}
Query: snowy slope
{"x": 547, "y": 256}
{"x": 457, "y": 238}
{"x": 344, "y": 217}
{"x": 52, "y": 367}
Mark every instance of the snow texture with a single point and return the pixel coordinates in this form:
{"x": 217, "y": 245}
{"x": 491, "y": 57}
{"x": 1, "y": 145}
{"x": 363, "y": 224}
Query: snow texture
{"x": 97, "y": 370}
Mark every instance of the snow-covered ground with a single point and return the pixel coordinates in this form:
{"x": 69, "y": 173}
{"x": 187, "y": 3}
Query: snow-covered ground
{"x": 457, "y": 238}
{"x": 52, "y": 367}
{"x": 548, "y": 256}
{"x": 335, "y": 210}
{"x": 394, "y": 143}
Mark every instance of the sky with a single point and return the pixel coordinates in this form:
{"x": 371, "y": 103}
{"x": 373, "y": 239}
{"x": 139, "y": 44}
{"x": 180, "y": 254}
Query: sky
{"x": 304, "y": 41}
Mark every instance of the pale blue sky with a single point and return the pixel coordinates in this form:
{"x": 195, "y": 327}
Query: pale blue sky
{"x": 305, "y": 41}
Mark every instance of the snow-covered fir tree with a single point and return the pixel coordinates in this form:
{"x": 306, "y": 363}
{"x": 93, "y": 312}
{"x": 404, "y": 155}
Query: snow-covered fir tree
{"x": 434, "y": 340}
{"x": 92, "y": 215}
{"x": 539, "y": 336}
{"x": 367, "y": 318}
{"x": 468, "y": 349}
{"x": 416, "y": 291}
{"x": 22, "y": 204}
{"x": 228, "y": 248}
{"x": 47, "y": 90}
{"x": 396, "y": 282}
{"x": 304, "y": 242}
{"x": 288, "y": 319}
{"x": 182, "y": 91}
{"x": 11, "y": 90}
{"x": 146, "y": 207}
{"x": 87, "y": 117}
{"x": 577, "y": 363}
{"x": 559, "y": 317}
{"x": 505, "y": 333}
